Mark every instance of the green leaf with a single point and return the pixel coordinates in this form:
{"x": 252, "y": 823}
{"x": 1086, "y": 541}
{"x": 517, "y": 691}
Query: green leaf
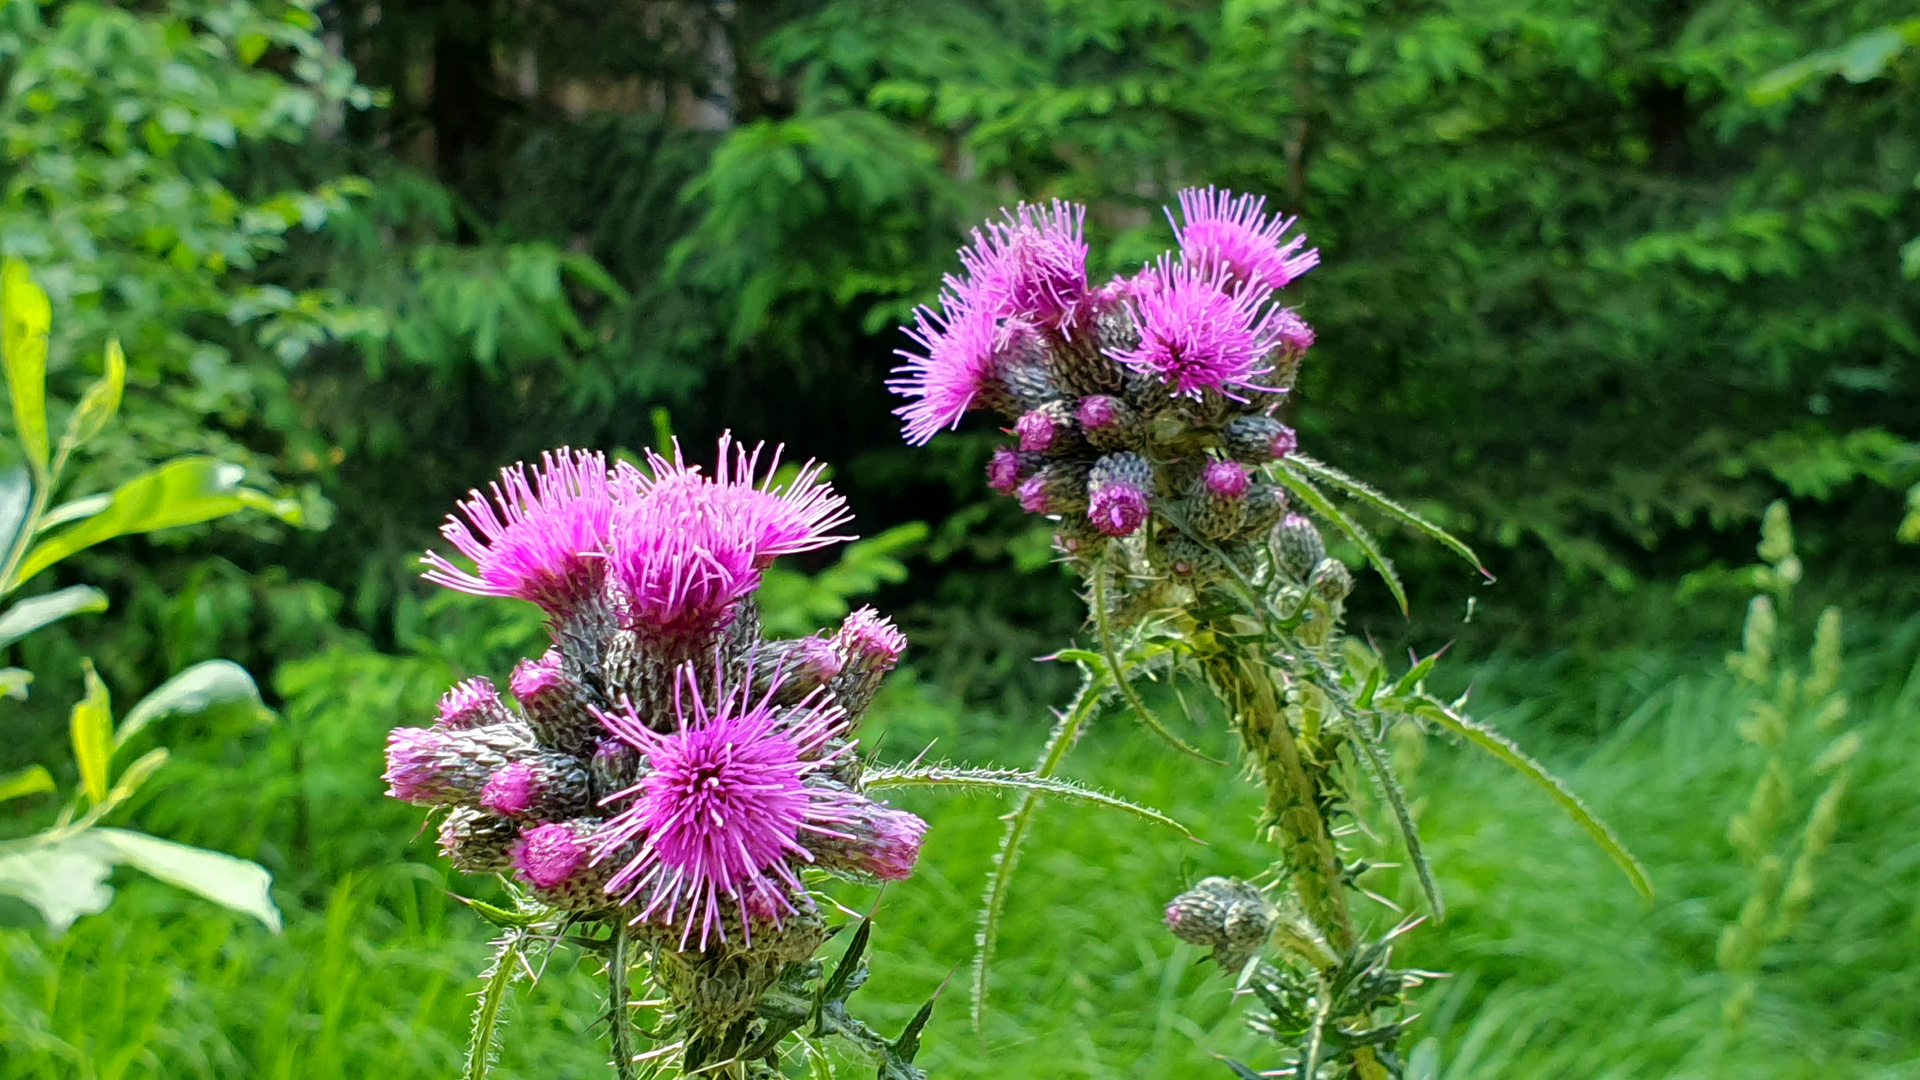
{"x": 99, "y": 403}
{"x": 63, "y": 881}
{"x": 1371, "y": 496}
{"x": 200, "y": 687}
{"x": 1326, "y": 508}
{"x": 25, "y": 316}
{"x": 954, "y": 776}
{"x": 235, "y": 884}
{"x": 14, "y": 682}
{"x": 92, "y": 727}
{"x": 185, "y": 491}
{"x": 29, "y": 615}
{"x": 1503, "y": 748}
{"x": 486, "y": 1013}
{"x": 32, "y": 780}
{"x": 74, "y": 510}
{"x": 1117, "y": 671}
{"x": 16, "y": 499}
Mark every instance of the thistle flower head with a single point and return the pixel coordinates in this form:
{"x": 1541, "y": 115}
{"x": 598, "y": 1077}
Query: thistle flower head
{"x": 1007, "y": 467}
{"x": 1031, "y": 265}
{"x": 1292, "y": 331}
{"x": 416, "y": 769}
{"x": 1037, "y": 430}
{"x": 1226, "y": 479}
{"x": 536, "y": 537}
{"x": 1117, "y": 509}
{"x": 1196, "y": 334}
{"x": 1220, "y": 231}
{"x": 512, "y": 790}
{"x": 724, "y": 811}
{"x": 955, "y": 366}
{"x": 547, "y": 855}
{"x": 470, "y": 703}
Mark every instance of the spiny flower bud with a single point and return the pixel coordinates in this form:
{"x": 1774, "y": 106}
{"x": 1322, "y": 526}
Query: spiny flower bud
{"x": 1008, "y": 467}
{"x": 542, "y": 786}
{"x": 615, "y": 766}
{"x": 555, "y": 704}
{"x": 869, "y": 646}
{"x": 433, "y": 767}
{"x": 1120, "y": 488}
{"x": 1297, "y": 546}
{"x": 1228, "y": 915}
{"x": 1186, "y": 559}
{"x": 556, "y": 859}
{"x": 1265, "y": 505}
{"x": 1048, "y": 429}
{"x": 880, "y": 842}
{"x": 1108, "y": 422}
{"x": 1029, "y": 384}
{"x": 1331, "y": 581}
{"x": 471, "y": 703}
{"x": 476, "y": 842}
{"x": 1217, "y": 507}
{"x": 794, "y": 668}
{"x": 1257, "y": 440}
{"x": 1060, "y": 487}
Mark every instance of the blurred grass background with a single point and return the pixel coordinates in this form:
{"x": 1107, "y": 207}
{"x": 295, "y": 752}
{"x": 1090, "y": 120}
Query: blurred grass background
{"x": 1601, "y": 280}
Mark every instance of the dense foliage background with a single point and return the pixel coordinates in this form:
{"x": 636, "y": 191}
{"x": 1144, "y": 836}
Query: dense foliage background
{"x": 1600, "y": 280}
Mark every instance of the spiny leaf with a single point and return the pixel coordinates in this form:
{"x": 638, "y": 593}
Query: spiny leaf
{"x": 1015, "y": 780}
{"x": 486, "y": 1015}
{"x": 1118, "y": 673}
{"x": 1326, "y": 508}
{"x": 1396, "y": 798}
{"x": 1373, "y": 497}
{"x": 1503, "y": 748}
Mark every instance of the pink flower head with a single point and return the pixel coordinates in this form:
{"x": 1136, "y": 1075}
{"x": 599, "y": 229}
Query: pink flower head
{"x": 547, "y": 855}
{"x": 893, "y": 845}
{"x": 1284, "y": 442}
{"x": 537, "y": 538}
{"x": 957, "y": 363}
{"x": 686, "y": 548}
{"x": 1117, "y": 509}
{"x": 470, "y": 703}
{"x": 869, "y": 641}
{"x": 1006, "y": 469}
{"x": 1195, "y": 334}
{"x": 1226, "y": 479}
{"x": 1036, "y": 430}
{"x": 1032, "y": 265}
{"x": 1033, "y": 494}
{"x": 1292, "y": 331}
{"x": 417, "y": 767}
{"x": 1222, "y": 232}
{"x": 723, "y": 809}
{"x": 511, "y": 790}
{"x": 1097, "y": 411}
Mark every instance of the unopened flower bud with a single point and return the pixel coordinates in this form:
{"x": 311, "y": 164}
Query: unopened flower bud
{"x": 1292, "y": 331}
{"x": 541, "y": 786}
{"x": 1008, "y": 467}
{"x": 1186, "y": 559}
{"x": 1266, "y": 504}
{"x": 1257, "y": 440}
{"x": 556, "y": 859}
{"x": 793, "y": 668}
{"x": 869, "y": 646}
{"x": 1331, "y": 581}
{"x": 471, "y": 703}
{"x": 434, "y": 767}
{"x": 1060, "y": 487}
{"x": 614, "y": 767}
{"x": 1225, "y": 914}
{"x": 476, "y": 842}
{"x": 881, "y": 842}
{"x": 1120, "y": 489}
{"x": 1217, "y": 507}
{"x": 1108, "y": 422}
{"x": 1297, "y": 546}
{"x": 1048, "y": 429}
{"x": 1078, "y": 538}
{"x": 557, "y": 707}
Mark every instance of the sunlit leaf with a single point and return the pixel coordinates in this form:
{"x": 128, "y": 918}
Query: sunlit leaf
{"x": 92, "y": 728}
{"x": 202, "y": 686}
{"x": 32, "y": 780}
{"x": 235, "y": 884}
{"x": 14, "y": 682}
{"x": 31, "y": 614}
{"x": 100, "y": 402}
{"x": 63, "y": 881}
{"x": 25, "y": 316}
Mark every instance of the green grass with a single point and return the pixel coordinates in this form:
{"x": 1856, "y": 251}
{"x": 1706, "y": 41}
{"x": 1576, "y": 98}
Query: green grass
{"x": 1557, "y": 968}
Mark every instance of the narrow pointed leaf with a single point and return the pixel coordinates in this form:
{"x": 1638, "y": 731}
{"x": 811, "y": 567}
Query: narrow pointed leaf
{"x": 16, "y": 498}
{"x": 35, "y": 612}
{"x": 200, "y": 687}
{"x": 1327, "y": 508}
{"x": 1503, "y": 748}
{"x": 235, "y": 884}
{"x": 25, "y": 317}
{"x": 100, "y": 402}
{"x": 1403, "y": 816}
{"x": 486, "y": 1013}
{"x": 1366, "y": 493}
{"x": 92, "y": 733}
{"x": 953, "y": 776}
{"x": 32, "y": 780}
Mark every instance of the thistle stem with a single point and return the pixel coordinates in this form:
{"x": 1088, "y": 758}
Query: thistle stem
{"x": 617, "y": 999}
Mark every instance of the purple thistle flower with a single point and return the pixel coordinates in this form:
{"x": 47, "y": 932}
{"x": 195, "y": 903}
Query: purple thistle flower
{"x": 1222, "y": 232}
{"x": 537, "y": 538}
{"x": 547, "y": 855}
{"x": 869, "y": 641}
{"x": 416, "y": 767}
{"x": 1292, "y": 331}
{"x": 1284, "y": 442}
{"x": 957, "y": 364}
{"x": 1195, "y": 334}
{"x": 470, "y": 703}
{"x": 1227, "y": 479}
{"x": 1036, "y": 430}
{"x": 1031, "y": 266}
{"x": 512, "y": 790}
{"x": 1117, "y": 509}
{"x": 723, "y": 808}
{"x": 882, "y": 843}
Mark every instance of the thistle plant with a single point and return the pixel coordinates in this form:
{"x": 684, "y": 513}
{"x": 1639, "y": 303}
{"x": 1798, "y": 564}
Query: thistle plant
{"x": 668, "y": 785}
{"x": 1144, "y": 413}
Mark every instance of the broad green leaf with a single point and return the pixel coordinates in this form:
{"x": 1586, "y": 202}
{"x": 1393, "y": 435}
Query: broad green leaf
{"x": 1503, "y": 748}
{"x": 63, "y": 881}
{"x": 25, "y": 316}
{"x": 202, "y": 686}
{"x": 100, "y": 402}
{"x": 14, "y": 682}
{"x": 235, "y": 884}
{"x": 953, "y": 776}
{"x": 31, "y": 614}
{"x": 185, "y": 491}
{"x": 93, "y": 736}
{"x": 74, "y": 510}
{"x": 32, "y": 780}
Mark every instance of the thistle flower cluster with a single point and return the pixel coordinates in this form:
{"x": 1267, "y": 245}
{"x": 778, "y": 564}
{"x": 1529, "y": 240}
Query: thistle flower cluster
{"x": 663, "y": 765}
{"x": 1141, "y": 408}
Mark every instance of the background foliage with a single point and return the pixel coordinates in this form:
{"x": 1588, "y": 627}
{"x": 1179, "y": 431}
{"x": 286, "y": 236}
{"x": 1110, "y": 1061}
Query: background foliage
{"x": 1601, "y": 279}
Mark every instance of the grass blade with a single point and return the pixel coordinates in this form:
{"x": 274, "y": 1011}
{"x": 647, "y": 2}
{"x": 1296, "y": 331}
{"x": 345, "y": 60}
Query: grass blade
{"x": 1506, "y": 750}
